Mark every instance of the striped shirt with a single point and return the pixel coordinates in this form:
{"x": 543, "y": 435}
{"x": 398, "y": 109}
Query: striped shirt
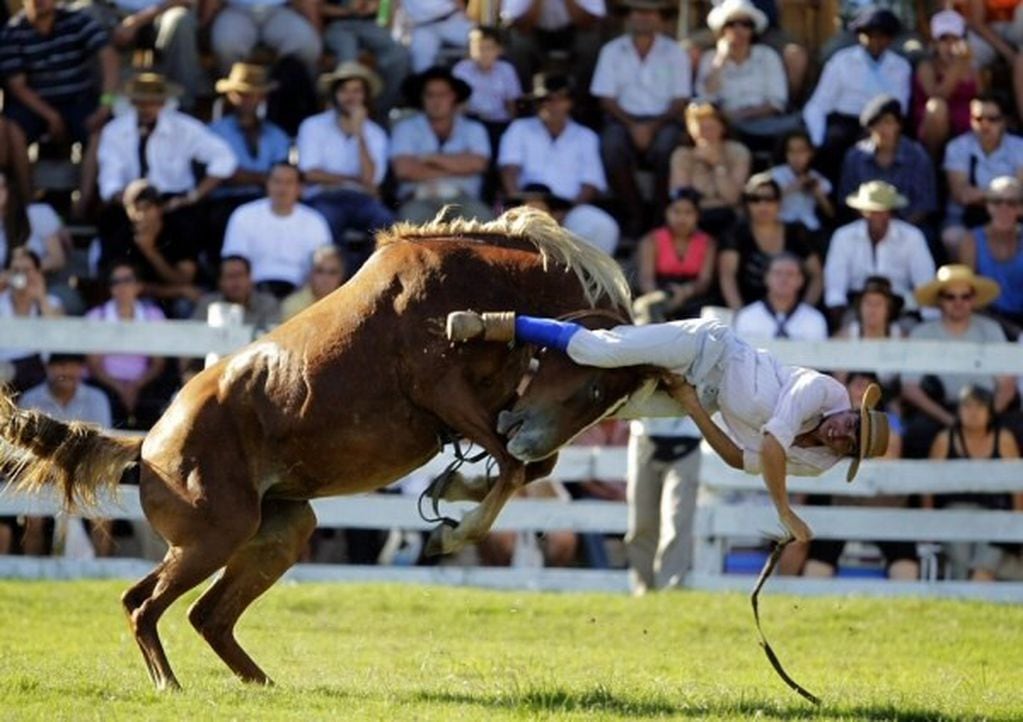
{"x": 57, "y": 66}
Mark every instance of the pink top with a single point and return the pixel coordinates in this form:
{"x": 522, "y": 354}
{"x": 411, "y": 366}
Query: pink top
{"x": 125, "y": 367}
{"x": 670, "y": 265}
{"x": 958, "y": 103}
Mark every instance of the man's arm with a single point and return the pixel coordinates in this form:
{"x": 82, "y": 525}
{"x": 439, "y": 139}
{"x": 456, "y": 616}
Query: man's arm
{"x": 684, "y": 392}
{"x": 773, "y": 468}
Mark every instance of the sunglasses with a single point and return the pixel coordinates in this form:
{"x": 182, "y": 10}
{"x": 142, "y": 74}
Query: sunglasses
{"x": 956, "y": 296}
{"x": 118, "y": 280}
{"x": 743, "y": 23}
{"x": 986, "y": 118}
{"x": 758, "y": 198}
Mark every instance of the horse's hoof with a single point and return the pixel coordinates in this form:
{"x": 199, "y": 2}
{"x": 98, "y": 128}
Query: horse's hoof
{"x": 438, "y": 542}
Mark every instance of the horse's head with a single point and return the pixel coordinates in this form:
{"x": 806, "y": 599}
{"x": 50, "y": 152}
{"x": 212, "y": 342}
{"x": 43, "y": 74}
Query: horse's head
{"x": 563, "y": 398}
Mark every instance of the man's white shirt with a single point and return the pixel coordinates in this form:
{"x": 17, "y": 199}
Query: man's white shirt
{"x": 323, "y": 146}
{"x": 564, "y": 164}
{"x": 643, "y": 86}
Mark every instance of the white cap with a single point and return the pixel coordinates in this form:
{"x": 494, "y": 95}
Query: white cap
{"x": 947, "y": 22}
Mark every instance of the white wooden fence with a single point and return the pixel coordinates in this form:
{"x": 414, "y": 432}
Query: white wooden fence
{"x": 716, "y": 523}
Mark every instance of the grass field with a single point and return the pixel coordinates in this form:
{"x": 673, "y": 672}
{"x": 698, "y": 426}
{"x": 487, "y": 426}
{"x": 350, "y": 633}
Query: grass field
{"x": 423, "y": 653}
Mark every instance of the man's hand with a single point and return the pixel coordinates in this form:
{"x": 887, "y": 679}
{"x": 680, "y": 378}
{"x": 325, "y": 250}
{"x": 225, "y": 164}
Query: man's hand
{"x": 55, "y": 126}
{"x": 681, "y": 390}
{"x": 799, "y": 529}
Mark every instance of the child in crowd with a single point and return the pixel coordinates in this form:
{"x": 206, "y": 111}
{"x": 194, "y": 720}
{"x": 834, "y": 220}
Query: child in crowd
{"x": 805, "y": 192}
{"x": 494, "y": 82}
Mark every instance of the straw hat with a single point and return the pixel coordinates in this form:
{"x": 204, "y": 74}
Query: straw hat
{"x": 873, "y": 439}
{"x": 731, "y": 9}
{"x": 349, "y": 70}
{"x": 150, "y": 86}
{"x": 985, "y": 289}
{"x": 876, "y": 196}
{"x": 247, "y": 78}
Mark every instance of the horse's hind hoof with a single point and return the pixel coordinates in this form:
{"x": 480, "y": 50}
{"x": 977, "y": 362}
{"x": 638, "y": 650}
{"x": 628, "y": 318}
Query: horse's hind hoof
{"x": 439, "y": 541}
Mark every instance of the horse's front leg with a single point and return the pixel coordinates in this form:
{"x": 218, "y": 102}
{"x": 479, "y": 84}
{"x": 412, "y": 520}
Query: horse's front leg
{"x": 475, "y": 525}
{"x": 458, "y": 487}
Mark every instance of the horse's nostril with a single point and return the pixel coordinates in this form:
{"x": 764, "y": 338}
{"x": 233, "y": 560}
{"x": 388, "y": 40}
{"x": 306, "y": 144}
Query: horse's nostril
{"x": 507, "y": 420}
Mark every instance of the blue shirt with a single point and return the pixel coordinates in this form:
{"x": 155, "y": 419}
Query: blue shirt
{"x": 966, "y": 156}
{"x": 911, "y": 172}
{"x": 274, "y": 146}
{"x": 415, "y": 137}
{"x": 1008, "y": 273}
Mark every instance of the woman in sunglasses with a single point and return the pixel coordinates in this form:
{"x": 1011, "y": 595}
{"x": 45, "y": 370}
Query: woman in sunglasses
{"x": 746, "y": 252}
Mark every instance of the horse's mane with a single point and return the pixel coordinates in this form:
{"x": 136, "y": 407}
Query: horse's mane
{"x": 598, "y": 273}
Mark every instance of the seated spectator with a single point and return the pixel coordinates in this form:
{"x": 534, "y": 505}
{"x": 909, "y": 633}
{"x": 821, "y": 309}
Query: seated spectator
{"x": 746, "y": 251}
{"x": 944, "y": 84}
{"x": 343, "y": 155}
{"x": 438, "y": 155}
{"x": 850, "y": 79}
{"x": 806, "y": 194}
{"x": 888, "y": 155}
{"x": 996, "y": 34}
{"x": 237, "y": 26}
{"x": 995, "y": 251}
{"x": 35, "y": 226}
{"x": 64, "y": 397}
{"x": 234, "y": 285}
{"x": 901, "y": 560}
{"x": 975, "y": 433}
{"x": 258, "y": 145}
{"x": 352, "y": 27}
{"x": 972, "y": 161}
{"x": 906, "y": 42}
{"x": 678, "y": 259}
{"x": 875, "y": 245}
{"x": 875, "y": 317}
{"x": 781, "y": 313}
{"x": 327, "y": 275}
{"x": 168, "y": 28}
{"x": 156, "y": 142}
{"x": 48, "y": 58}
{"x": 433, "y": 24}
{"x": 23, "y": 294}
{"x": 539, "y": 29}
{"x": 162, "y": 253}
{"x": 494, "y": 82}
{"x": 643, "y": 81}
{"x": 932, "y": 399}
{"x": 132, "y": 381}
{"x": 714, "y": 165}
{"x": 745, "y": 77}
{"x": 277, "y": 234}
{"x": 553, "y": 150}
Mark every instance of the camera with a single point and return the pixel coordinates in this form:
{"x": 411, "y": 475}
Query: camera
{"x": 18, "y": 281}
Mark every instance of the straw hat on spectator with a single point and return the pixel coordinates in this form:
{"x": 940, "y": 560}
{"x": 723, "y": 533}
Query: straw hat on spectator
{"x": 247, "y": 78}
{"x": 150, "y": 87}
{"x": 732, "y": 9}
{"x": 873, "y": 441}
{"x": 985, "y": 290}
{"x": 876, "y": 196}
{"x": 1005, "y": 187}
{"x": 349, "y": 70}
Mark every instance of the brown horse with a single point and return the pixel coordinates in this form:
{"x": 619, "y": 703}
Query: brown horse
{"x": 346, "y": 397}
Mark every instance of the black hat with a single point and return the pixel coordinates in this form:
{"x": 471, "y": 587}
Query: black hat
{"x": 63, "y": 358}
{"x": 545, "y": 84}
{"x": 539, "y": 192}
{"x": 875, "y": 18}
{"x": 879, "y": 107}
{"x": 413, "y": 86}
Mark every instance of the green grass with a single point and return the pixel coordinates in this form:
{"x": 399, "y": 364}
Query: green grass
{"x": 422, "y": 653}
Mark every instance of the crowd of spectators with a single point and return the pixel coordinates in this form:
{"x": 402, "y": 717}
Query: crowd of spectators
{"x": 244, "y": 152}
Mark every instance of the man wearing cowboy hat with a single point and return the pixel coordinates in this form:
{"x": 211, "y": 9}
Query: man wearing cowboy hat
{"x": 343, "y": 155}
{"x": 643, "y": 81}
{"x": 552, "y": 149}
{"x": 877, "y": 244}
{"x": 958, "y": 293}
{"x": 157, "y": 142}
{"x": 439, "y": 156}
{"x": 778, "y": 419}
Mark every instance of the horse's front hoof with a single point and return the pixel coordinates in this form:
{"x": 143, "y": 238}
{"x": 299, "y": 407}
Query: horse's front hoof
{"x": 439, "y": 541}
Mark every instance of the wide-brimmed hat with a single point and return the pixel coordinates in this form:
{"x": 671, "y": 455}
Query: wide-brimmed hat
{"x": 247, "y": 78}
{"x": 414, "y": 85}
{"x": 539, "y": 192}
{"x": 546, "y": 84}
{"x": 985, "y": 290}
{"x": 883, "y": 286}
{"x": 351, "y": 70}
{"x": 1004, "y": 187}
{"x": 150, "y": 86}
{"x": 878, "y": 107}
{"x": 873, "y": 439}
{"x": 876, "y": 196}
{"x": 729, "y": 9}
{"x": 875, "y": 18}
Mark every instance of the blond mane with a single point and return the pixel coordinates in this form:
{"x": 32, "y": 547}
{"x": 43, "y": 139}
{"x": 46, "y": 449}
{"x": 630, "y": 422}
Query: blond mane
{"x": 598, "y": 274}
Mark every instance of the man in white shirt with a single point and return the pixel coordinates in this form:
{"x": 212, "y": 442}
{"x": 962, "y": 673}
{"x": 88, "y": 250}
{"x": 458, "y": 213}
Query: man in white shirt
{"x": 850, "y": 80}
{"x": 553, "y": 150}
{"x": 876, "y": 245}
{"x": 277, "y": 234}
{"x": 432, "y": 24}
{"x": 779, "y": 419}
{"x": 643, "y": 80}
{"x": 288, "y": 27}
{"x": 781, "y": 314}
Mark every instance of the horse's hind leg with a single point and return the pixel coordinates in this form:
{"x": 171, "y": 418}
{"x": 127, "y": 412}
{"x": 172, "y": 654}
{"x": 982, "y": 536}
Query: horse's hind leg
{"x": 285, "y": 529}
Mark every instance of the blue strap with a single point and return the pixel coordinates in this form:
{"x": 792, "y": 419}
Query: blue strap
{"x": 545, "y": 331}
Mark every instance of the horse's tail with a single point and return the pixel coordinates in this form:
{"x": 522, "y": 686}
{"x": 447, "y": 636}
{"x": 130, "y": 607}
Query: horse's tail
{"x": 37, "y": 451}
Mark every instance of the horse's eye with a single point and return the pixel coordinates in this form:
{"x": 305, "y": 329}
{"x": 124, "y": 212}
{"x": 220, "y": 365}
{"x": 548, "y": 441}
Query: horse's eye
{"x": 596, "y": 393}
